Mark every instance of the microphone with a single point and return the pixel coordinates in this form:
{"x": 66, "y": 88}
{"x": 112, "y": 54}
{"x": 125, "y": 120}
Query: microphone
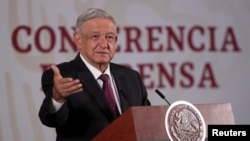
{"x": 162, "y": 96}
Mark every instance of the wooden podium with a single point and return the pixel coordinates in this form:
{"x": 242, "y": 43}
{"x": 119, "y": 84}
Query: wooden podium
{"x": 147, "y": 123}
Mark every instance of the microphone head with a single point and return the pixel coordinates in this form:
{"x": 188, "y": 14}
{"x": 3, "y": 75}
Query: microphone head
{"x": 162, "y": 96}
{"x": 159, "y": 93}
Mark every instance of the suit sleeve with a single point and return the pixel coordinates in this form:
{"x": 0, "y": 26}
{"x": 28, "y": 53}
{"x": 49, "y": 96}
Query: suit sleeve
{"x": 47, "y": 113}
{"x": 145, "y": 100}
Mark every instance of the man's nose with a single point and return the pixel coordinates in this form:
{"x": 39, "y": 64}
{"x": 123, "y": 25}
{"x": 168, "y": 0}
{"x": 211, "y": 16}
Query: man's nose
{"x": 103, "y": 41}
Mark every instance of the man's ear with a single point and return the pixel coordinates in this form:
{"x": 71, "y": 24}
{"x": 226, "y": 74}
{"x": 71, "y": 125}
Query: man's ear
{"x": 116, "y": 38}
{"x": 77, "y": 40}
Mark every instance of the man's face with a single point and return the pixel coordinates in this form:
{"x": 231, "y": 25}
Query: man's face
{"x": 97, "y": 40}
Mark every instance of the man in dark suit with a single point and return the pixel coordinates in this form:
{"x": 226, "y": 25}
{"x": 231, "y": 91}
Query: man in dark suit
{"x": 74, "y": 102}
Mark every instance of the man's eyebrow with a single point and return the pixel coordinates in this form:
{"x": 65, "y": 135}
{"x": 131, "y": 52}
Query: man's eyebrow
{"x": 95, "y": 32}
{"x": 111, "y": 33}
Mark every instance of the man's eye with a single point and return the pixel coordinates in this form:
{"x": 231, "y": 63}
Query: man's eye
{"x": 94, "y": 36}
{"x": 110, "y": 37}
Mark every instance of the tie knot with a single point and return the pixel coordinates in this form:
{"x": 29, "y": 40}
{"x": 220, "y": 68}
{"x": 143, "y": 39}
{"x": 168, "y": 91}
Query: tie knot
{"x": 104, "y": 77}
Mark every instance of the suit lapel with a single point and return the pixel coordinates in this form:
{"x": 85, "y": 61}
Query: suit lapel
{"x": 122, "y": 87}
{"x": 91, "y": 86}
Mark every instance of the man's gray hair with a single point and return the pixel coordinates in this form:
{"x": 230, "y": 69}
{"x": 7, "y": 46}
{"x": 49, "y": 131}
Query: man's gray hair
{"x": 91, "y": 13}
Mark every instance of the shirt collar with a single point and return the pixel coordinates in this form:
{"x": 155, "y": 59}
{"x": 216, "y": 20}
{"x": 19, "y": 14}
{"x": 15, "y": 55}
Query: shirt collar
{"x": 96, "y": 73}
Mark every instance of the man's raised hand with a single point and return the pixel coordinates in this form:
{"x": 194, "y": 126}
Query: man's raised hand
{"x": 63, "y": 87}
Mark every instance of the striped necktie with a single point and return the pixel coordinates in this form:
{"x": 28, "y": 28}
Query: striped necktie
{"x": 109, "y": 95}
